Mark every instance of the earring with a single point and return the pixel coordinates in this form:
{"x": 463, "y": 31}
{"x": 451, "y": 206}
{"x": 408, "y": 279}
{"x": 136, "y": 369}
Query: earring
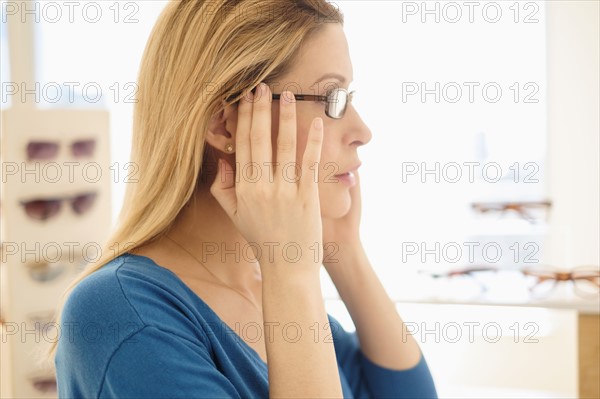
{"x": 229, "y": 148}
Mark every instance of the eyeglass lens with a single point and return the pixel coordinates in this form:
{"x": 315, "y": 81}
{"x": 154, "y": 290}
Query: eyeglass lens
{"x": 42, "y": 209}
{"x": 587, "y": 284}
{"x": 41, "y": 150}
{"x": 336, "y": 106}
{"x": 44, "y": 384}
{"x": 83, "y": 148}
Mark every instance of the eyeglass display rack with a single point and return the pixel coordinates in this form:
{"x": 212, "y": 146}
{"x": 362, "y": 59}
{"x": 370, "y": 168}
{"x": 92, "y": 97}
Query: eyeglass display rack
{"x": 45, "y": 245}
{"x": 556, "y": 254}
{"x": 41, "y": 257}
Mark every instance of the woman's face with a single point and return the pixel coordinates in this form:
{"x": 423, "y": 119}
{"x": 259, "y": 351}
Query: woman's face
{"x": 325, "y": 54}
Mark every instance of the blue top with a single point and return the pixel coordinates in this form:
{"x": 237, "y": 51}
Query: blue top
{"x": 134, "y": 329}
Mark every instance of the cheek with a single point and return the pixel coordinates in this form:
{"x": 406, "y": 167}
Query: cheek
{"x": 327, "y": 149}
{"x": 334, "y": 199}
{"x": 334, "y": 196}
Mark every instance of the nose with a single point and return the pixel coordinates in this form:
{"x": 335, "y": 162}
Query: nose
{"x": 358, "y": 133}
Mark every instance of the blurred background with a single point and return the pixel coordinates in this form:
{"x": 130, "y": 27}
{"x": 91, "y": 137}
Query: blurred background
{"x": 480, "y": 186}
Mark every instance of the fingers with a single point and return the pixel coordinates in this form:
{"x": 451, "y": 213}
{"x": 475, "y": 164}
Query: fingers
{"x": 242, "y": 136}
{"x": 286, "y": 140}
{"x": 312, "y": 155}
{"x": 260, "y": 132}
{"x": 253, "y": 137}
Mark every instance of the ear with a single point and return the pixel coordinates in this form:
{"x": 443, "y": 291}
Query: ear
{"x": 222, "y": 126}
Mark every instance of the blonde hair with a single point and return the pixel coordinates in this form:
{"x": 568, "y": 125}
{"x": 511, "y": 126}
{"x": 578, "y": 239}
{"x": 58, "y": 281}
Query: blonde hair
{"x": 198, "y": 54}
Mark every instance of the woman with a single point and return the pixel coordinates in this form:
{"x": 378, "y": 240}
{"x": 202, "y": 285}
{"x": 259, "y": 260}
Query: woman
{"x": 210, "y": 286}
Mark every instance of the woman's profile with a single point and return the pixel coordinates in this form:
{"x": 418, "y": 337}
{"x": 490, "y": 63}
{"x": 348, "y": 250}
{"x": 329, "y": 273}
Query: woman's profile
{"x": 246, "y": 141}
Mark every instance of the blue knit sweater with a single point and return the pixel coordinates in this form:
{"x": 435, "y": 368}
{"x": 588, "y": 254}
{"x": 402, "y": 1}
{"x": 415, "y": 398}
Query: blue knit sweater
{"x": 134, "y": 329}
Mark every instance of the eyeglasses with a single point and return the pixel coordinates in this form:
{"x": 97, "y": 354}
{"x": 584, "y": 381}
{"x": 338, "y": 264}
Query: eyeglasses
{"x": 44, "y": 272}
{"x": 49, "y": 149}
{"x": 336, "y": 101}
{"x": 539, "y": 281}
{"x": 585, "y": 282}
{"x": 533, "y": 211}
{"x": 43, "y": 209}
{"x": 43, "y": 381}
{"x": 42, "y": 320}
{"x": 44, "y": 384}
{"x": 48, "y": 271}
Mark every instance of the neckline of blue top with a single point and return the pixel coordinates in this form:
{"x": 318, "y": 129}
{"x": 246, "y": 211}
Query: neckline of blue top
{"x": 211, "y": 312}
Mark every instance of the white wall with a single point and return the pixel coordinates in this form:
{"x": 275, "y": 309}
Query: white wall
{"x": 573, "y": 130}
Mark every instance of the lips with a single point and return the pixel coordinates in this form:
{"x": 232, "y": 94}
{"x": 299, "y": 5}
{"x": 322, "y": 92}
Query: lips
{"x": 350, "y": 170}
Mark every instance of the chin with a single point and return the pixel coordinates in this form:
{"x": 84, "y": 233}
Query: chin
{"x": 336, "y": 206}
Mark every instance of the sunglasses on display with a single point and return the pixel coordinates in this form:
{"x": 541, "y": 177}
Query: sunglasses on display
{"x": 44, "y": 383}
{"x": 45, "y": 150}
{"x": 44, "y": 209}
{"x": 49, "y": 271}
{"x": 42, "y": 320}
{"x": 44, "y": 272}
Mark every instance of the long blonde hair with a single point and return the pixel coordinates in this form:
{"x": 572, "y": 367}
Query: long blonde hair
{"x": 199, "y": 53}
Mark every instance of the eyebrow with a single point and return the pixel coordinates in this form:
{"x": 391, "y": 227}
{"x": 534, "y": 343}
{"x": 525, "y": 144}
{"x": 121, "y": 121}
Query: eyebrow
{"x": 337, "y": 76}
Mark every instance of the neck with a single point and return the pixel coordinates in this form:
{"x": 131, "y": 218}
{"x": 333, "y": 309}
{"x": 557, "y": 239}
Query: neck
{"x": 205, "y": 230}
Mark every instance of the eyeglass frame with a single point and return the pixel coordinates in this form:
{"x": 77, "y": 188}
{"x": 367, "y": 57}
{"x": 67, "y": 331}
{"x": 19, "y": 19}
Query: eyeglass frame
{"x": 542, "y": 274}
{"x": 318, "y": 98}
{"x": 521, "y": 208}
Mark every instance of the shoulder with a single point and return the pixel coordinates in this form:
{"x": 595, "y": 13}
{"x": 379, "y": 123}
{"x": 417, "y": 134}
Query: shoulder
{"x": 131, "y": 316}
{"x": 120, "y": 299}
{"x": 99, "y": 298}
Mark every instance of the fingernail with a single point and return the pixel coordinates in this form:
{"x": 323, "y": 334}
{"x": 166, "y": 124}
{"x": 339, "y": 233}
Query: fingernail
{"x": 263, "y": 88}
{"x": 318, "y": 123}
{"x": 288, "y": 97}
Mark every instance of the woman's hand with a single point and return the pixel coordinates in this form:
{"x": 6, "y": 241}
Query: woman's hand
{"x": 267, "y": 209}
{"x": 266, "y": 205}
{"x": 341, "y": 236}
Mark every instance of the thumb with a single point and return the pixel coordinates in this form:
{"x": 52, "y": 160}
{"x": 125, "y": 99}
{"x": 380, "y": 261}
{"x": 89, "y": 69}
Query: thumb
{"x": 223, "y": 188}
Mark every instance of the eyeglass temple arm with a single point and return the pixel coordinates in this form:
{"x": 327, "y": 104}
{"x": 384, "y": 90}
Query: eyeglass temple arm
{"x": 299, "y": 97}
{"x": 460, "y": 272}
{"x": 592, "y": 279}
{"x": 303, "y": 97}
{"x": 502, "y": 205}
